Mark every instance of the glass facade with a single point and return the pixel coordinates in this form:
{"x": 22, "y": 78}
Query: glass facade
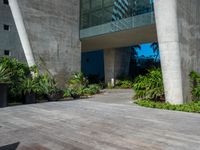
{"x": 97, "y": 12}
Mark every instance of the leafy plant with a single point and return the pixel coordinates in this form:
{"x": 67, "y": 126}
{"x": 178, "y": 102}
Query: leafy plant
{"x": 67, "y": 93}
{"x": 19, "y": 71}
{"x": 78, "y": 86}
{"x": 4, "y": 74}
{"x": 191, "y": 107}
{"x": 124, "y": 84}
{"x": 149, "y": 86}
{"x": 29, "y": 86}
{"x": 26, "y": 80}
{"x": 74, "y": 92}
{"x": 47, "y": 83}
{"x": 91, "y": 89}
{"x": 49, "y": 87}
{"x": 78, "y": 78}
{"x": 195, "y": 79}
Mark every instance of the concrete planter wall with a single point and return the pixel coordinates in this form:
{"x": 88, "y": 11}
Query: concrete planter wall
{"x": 3, "y": 95}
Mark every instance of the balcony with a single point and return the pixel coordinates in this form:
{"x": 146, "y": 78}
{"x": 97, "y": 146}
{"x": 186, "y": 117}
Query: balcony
{"x": 99, "y": 17}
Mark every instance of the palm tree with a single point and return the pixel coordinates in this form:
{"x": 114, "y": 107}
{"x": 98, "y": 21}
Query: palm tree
{"x": 133, "y": 62}
{"x": 155, "y": 48}
{"x": 134, "y": 50}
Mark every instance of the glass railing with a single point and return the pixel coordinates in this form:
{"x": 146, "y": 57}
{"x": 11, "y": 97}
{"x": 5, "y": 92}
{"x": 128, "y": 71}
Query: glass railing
{"x": 98, "y": 12}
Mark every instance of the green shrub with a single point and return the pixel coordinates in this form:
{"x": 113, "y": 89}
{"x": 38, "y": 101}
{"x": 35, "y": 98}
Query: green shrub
{"x": 78, "y": 78}
{"x": 47, "y": 84}
{"x": 19, "y": 71}
{"x": 67, "y": 93}
{"x": 21, "y": 80}
{"x": 195, "y": 79}
{"x": 124, "y": 84}
{"x": 191, "y": 107}
{"x": 149, "y": 86}
{"x": 30, "y": 85}
{"x": 91, "y": 89}
{"x": 78, "y": 91}
{"x": 74, "y": 92}
{"x": 5, "y": 74}
{"x": 78, "y": 86}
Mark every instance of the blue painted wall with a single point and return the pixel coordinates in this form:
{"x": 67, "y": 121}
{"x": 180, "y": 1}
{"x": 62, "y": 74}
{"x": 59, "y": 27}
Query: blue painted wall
{"x": 93, "y": 63}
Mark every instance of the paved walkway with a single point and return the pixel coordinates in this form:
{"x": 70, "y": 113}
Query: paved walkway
{"x": 98, "y": 125}
{"x": 114, "y": 96}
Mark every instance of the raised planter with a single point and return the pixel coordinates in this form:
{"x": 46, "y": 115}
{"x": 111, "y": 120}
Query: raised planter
{"x": 30, "y": 98}
{"x": 3, "y": 95}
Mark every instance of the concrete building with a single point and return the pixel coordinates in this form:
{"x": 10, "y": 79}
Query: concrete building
{"x": 48, "y": 32}
{"x": 10, "y": 44}
{"x": 50, "y": 35}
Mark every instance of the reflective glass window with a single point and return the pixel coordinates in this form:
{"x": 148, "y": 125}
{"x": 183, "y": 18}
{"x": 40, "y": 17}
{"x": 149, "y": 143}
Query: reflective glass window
{"x": 97, "y": 12}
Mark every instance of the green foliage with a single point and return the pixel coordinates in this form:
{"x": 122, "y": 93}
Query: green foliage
{"x": 67, "y": 93}
{"x": 149, "y": 86}
{"x": 26, "y": 80}
{"x": 78, "y": 86}
{"x": 30, "y": 85}
{"x": 191, "y": 107}
{"x": 78, "y": 78}
{"x": 46, "y": 83}
{"x": 75, "y": 85}
{"x": 124, "y": 84}
{"x": 74, "y": 92}
{"x": 92, "y": 89}
{"x": 5, "y": 74}
{"x": 19, "y": 71}
{"x": 195, "y": 79}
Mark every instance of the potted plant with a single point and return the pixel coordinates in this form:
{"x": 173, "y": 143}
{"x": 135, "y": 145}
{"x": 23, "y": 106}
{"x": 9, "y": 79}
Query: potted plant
{"x": 48, "y": 87}
{"x": 4, "y": 81}
{"x": 30, "y": 88}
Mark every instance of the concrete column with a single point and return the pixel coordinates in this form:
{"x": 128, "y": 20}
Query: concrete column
{"x": 178, "y": 29}
{"x": 167, "y": 29}
{"x": 109, "y": 65}
{"x": 116, "y": 63}
{"x": 22, "y": 32}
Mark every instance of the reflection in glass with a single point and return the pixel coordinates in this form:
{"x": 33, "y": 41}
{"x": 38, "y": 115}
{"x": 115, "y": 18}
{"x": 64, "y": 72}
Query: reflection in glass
{"x": 97, "y": 12}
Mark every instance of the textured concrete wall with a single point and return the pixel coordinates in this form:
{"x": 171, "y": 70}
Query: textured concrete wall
{"x": 116, "y": 63}
{"x": 178, "y": 27}
{"x": 53, "y": 32}
{"x": 189, "y": 40}
{"x": 9, "y": 40}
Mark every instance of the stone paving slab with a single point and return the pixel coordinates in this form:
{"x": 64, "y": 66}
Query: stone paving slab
{"x": 95, "y": 125}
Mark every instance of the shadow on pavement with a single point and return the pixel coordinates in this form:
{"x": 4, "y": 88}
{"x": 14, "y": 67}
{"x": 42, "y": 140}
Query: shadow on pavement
{"x": 10, "y": 146}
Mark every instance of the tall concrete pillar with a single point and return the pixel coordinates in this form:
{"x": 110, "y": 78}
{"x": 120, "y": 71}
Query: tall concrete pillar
{"x": 49, "y": 33}
{"x": 178, "y": 29}
{"x": 19, "y": 22}
{"x": 116, "y": 63}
